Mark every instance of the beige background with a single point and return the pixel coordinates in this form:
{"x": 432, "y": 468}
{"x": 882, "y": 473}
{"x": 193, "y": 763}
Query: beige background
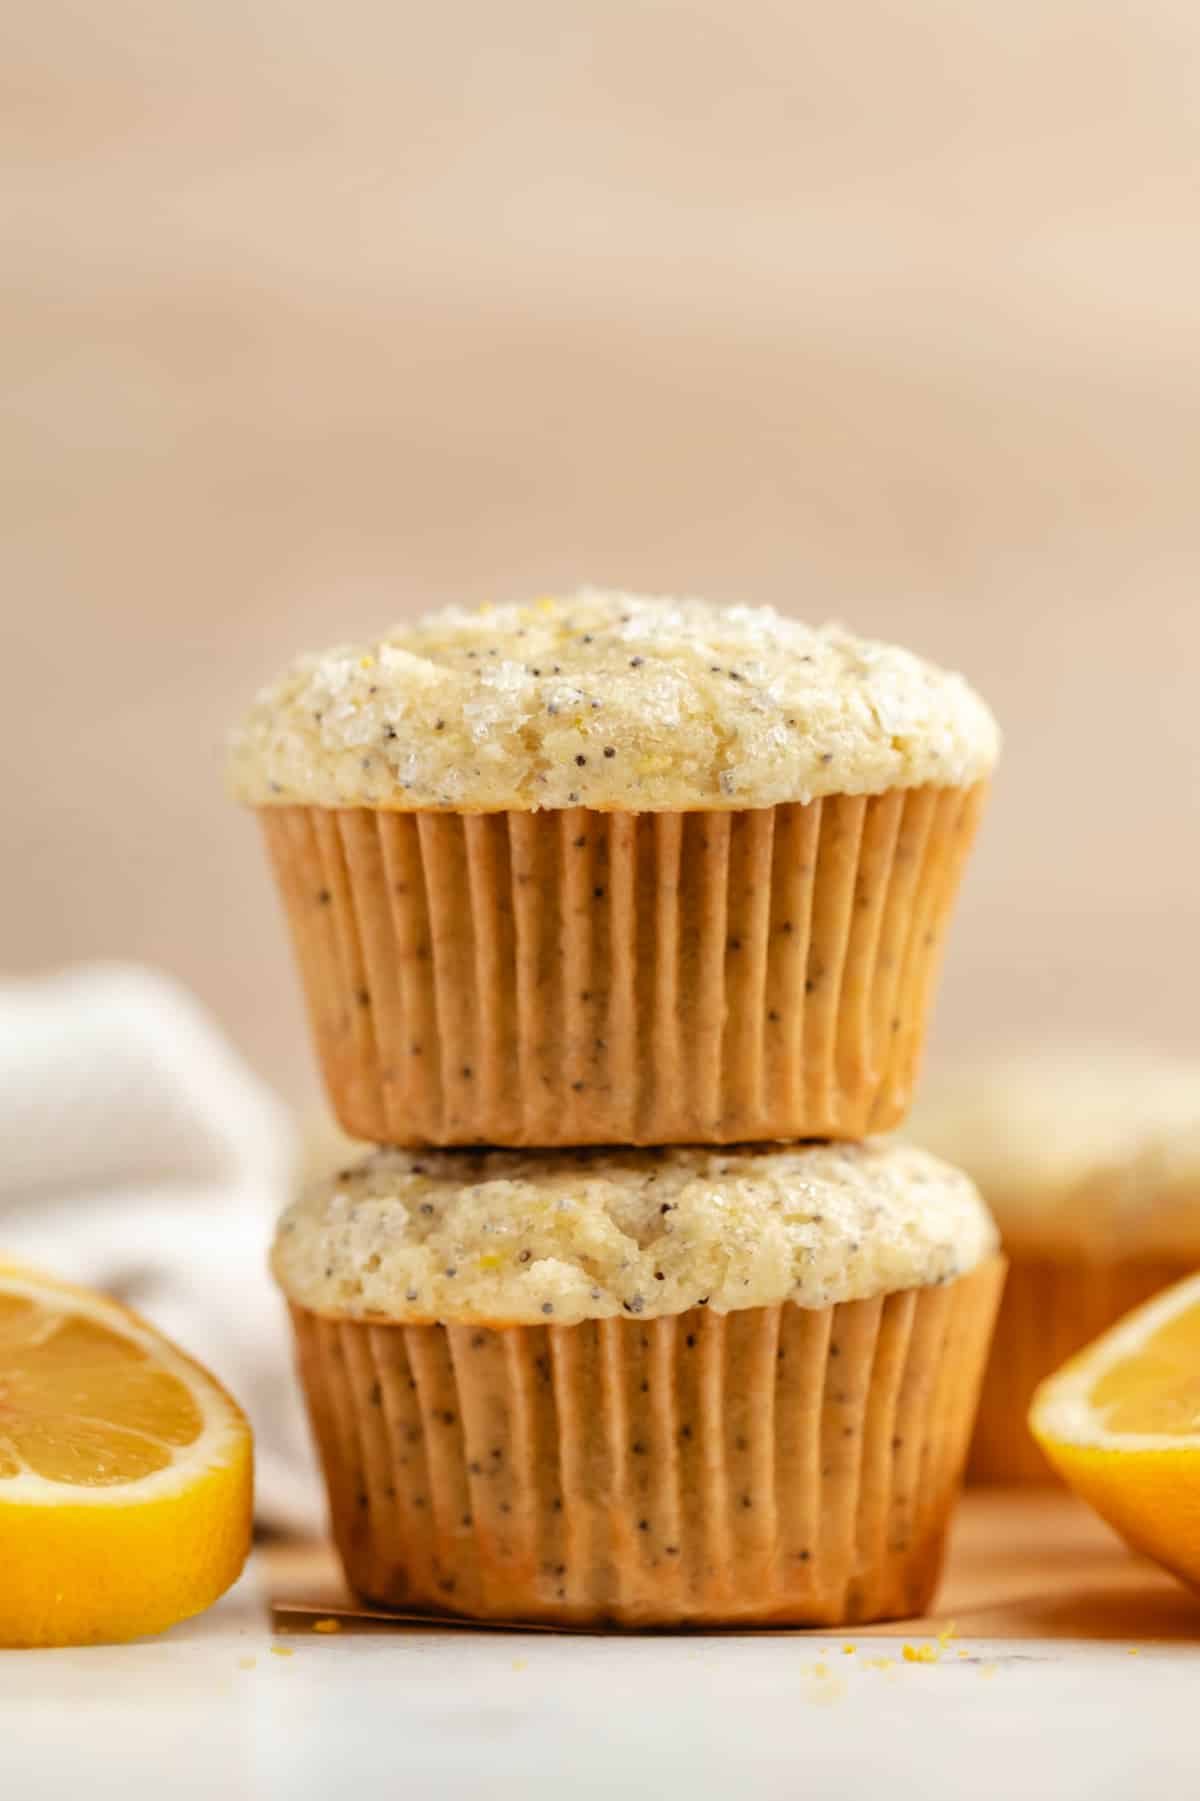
{"x": 316, "y": 314}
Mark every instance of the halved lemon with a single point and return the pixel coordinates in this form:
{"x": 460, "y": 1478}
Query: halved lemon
{"x": 125, "y": 1472}
{"x": 1120, "y": 1421}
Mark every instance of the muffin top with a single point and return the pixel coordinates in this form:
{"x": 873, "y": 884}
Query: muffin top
{"x": 1079, "y": 1152}
{"x": 521, "y": 1237}
{"x": 612, "y": 701}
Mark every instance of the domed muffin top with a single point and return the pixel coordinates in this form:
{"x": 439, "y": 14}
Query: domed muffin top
{"x": 607, "y": 700}
{"x": 537, "y": 1237}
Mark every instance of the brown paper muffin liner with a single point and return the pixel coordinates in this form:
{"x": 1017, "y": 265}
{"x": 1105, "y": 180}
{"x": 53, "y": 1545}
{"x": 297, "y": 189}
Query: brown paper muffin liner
{"x": 1050, "y": 1310}
{"x": 619, "y": 978}
{"x": 776, "y": 1465}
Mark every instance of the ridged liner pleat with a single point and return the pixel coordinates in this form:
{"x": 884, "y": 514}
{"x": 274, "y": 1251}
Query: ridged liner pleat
{"x": 774, "y": 1465}
{"x": 618, "y": 978}
{"x": 1050, "y": 1310}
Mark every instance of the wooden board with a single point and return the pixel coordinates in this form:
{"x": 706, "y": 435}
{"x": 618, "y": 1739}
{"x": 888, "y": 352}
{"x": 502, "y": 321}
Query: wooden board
{"x": 1022, "y": 1564}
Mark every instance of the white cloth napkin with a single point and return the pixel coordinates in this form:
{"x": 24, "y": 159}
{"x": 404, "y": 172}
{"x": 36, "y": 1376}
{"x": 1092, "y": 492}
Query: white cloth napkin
{"x": 139, "y": 1155}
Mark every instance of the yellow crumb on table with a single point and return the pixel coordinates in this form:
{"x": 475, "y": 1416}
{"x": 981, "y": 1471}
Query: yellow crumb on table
{"x": 247, "y": 1663}
{"x": 931, "y": 1650}
{"x": 881, "y": 1663}
{"x": 327, "y": 1625}
{"x": 282, "y": 1651}
{"x": 1133, "y": 1651}
{"x": 823, "y": 1688}
{"x": 520, "y": 1663}
{"x": 849, "y": 1650}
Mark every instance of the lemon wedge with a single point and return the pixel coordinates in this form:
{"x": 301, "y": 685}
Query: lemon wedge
{"x": 1120, "y": 1421}
{"x": 125, "y": 1472}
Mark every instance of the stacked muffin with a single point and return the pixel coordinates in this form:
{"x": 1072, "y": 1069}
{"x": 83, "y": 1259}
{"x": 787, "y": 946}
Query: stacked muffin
{"x": 609, "y": 871}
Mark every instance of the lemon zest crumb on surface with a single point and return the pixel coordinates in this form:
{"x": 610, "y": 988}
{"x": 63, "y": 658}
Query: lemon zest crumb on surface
{"x": 930, "y": 1650}
{"x": 849, "y": 1650}
{"x": 327, "y": 1625}
{"x": 282, "y": 1651}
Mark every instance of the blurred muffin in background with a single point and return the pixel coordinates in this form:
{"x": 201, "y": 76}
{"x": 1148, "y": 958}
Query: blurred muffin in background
{"x": 1089, "y": 1159}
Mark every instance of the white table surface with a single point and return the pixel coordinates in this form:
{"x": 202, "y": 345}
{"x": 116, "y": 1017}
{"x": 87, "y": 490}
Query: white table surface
{"x": 212, "y": 1709}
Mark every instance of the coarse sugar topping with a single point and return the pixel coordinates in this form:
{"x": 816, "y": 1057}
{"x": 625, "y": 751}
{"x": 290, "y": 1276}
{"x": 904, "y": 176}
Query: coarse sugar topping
{"x": 607, "y": 700}
{"x": 517, "y": 1237}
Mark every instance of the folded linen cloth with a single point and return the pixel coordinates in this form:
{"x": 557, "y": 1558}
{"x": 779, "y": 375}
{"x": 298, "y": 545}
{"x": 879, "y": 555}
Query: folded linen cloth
{"x": 139, "y": 1155}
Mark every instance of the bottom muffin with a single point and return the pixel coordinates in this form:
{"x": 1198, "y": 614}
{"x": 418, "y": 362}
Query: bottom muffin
{"x": 747, "y": 1398}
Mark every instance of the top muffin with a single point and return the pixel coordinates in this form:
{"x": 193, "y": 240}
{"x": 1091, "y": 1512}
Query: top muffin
{"x": 611, "y": 701}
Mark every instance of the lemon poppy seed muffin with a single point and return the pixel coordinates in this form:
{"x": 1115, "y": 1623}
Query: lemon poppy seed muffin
{"x": 1089, "y": 1158}
{"x": 614, "y": 869}
{"x": 647, "y": 1387}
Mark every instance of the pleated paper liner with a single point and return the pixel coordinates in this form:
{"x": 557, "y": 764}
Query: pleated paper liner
{"x": 1050, "y": 1310}
{"x": 778, "y": 1465}
{"x": 618, "y": 978}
